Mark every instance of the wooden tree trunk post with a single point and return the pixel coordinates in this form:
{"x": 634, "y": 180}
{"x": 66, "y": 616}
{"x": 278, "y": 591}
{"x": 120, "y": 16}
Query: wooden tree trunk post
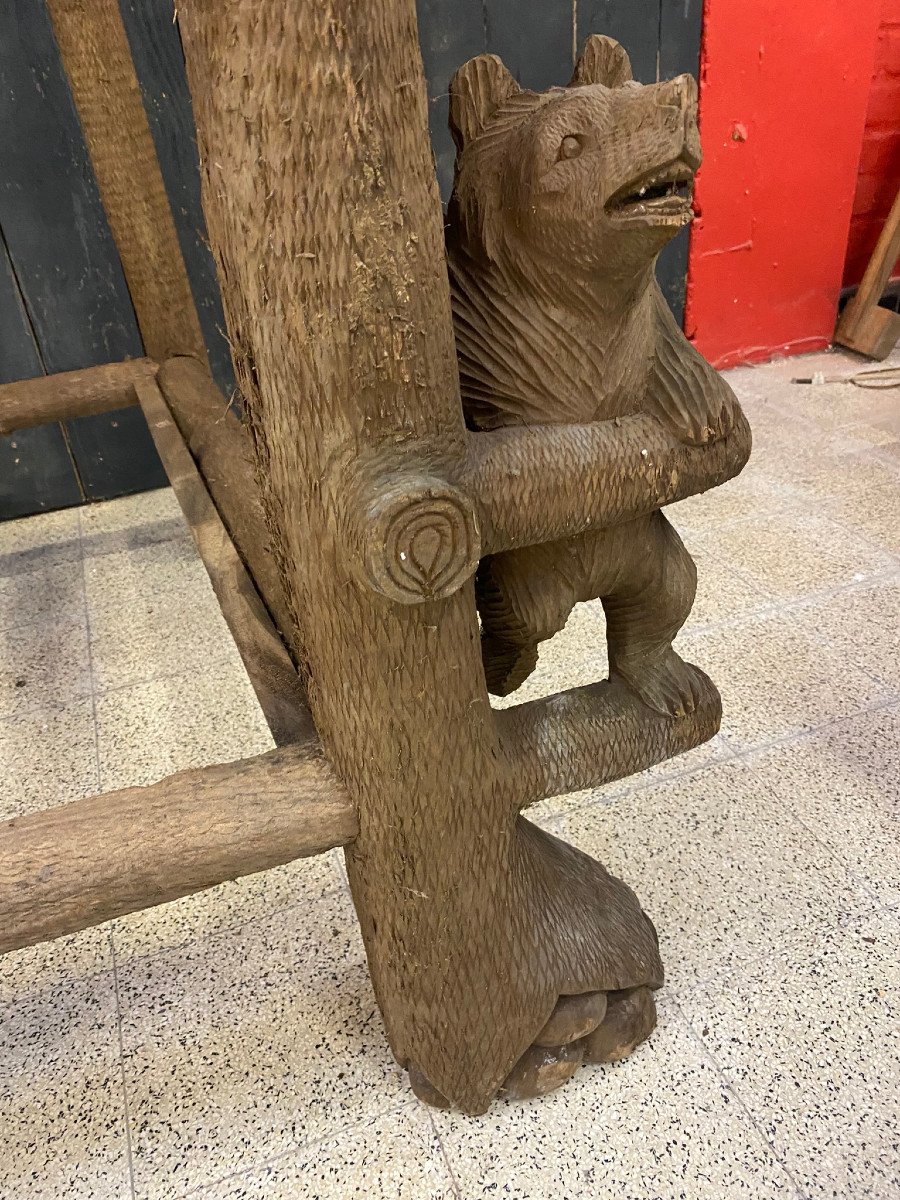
{"x": 324, "y": 217}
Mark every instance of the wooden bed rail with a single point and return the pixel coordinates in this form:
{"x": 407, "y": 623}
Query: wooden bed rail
{"x": 73, "y": 866}
{"x": 82, "y": 863}
{"x": 61, "y": 397}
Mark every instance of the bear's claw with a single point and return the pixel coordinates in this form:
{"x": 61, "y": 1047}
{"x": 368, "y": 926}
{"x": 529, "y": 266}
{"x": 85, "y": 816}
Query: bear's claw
{"x": 671, "y": 687}
{"x": 596, "y": 1027}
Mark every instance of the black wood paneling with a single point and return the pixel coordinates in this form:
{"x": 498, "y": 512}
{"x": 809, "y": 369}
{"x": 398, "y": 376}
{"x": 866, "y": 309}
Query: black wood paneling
{"x": 61, "y": 248}
{"x": 634, "y": 23}
{"x": 680, "y": 33}
{"x": 681, "y": 27}
{"x": 159, "y": 63}
{"x": 63, "y": 298}
{"x": 450, "y": 33}
{"x": 36, "y": 471}
{"x": 533, "y": 39}
{"x": 53, "y": 222}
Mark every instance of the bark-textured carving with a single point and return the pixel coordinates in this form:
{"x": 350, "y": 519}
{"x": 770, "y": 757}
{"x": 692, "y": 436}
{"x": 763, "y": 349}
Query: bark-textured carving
{"x": 324, "y": 217}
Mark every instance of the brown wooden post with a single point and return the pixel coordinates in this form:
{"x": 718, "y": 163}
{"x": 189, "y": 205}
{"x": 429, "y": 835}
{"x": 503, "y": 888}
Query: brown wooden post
{"x": 325, "y": 221}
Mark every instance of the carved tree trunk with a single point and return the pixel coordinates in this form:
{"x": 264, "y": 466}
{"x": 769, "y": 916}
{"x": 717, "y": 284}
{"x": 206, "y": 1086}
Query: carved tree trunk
{"x": 324, "y": 216}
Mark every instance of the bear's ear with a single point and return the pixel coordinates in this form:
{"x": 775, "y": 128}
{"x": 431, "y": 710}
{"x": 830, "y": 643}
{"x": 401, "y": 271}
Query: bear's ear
{"x": 477, "y": 90}
{"x": 604, "y": 61}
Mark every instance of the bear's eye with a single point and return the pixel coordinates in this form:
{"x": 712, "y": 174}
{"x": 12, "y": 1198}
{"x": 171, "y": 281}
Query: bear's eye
{"x": 570, "y": 147}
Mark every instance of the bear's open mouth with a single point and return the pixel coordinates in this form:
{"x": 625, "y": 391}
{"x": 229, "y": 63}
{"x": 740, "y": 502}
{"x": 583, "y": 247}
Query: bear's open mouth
{"x": 666, "y": 193}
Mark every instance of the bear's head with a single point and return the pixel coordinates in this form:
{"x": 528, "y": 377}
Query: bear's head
{"x": 595, "y": 177}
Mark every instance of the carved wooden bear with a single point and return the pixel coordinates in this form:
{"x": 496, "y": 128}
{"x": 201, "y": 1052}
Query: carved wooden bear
{"x": 562, "y": 202}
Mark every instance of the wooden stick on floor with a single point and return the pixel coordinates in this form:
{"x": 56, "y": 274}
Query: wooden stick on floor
{"x": 865, "y": 326}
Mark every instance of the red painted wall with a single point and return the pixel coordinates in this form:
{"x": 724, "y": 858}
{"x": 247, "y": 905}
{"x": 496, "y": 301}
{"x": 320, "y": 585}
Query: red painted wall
{"x": 879, "y": 164}
{"x": 784, "y": 90}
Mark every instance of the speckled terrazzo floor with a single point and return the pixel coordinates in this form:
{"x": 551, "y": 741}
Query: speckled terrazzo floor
{"x": 228, "y": 1046}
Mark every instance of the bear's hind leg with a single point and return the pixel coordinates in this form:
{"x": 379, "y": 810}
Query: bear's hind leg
{"x": 648, "y": 604}
{"x": 524, "y": 597}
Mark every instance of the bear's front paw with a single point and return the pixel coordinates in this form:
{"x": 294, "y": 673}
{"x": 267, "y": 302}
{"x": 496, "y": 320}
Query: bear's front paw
{"x": 717, "y": 422}
{"x": 701, "y": 418}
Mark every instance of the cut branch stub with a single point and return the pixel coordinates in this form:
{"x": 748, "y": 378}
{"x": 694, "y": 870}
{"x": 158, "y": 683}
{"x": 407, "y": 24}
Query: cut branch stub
{"x": 416, "y": 537}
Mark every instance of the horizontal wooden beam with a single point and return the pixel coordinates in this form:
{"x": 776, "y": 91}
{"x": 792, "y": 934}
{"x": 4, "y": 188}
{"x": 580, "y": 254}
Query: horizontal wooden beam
{"x": 61, "y": 397}
{"x": 86, "y": 862}
{"x": 272, "y": 673}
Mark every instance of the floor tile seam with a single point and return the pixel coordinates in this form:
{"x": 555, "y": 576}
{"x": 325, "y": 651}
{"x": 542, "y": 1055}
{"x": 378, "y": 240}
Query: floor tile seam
{"x": 738, "y": 1100}
{"x": 445, "y": 1153}
{"x": 43, "y": 619}
{"x": 144, "y": 955}
{"x": 744, "y": 750}
{"x": 880, "y": 575}
{"x": 794, "y": 936}
{"x": 198, "y": 591}
{"x": 858, "y": 884}
{"x": 835, "y": 433}
{"x": 236, "y": 927}
{"x": 55, "y": 556}
{"x": 90, "y": 666}
{"x": 123, "y": 1079}
{"x": 813, "y": 423}
{"x": 297, "y": 1144}
{"x": 102, "y": 544}
{"x": 90, "y": 975}
{"x": 780, "y": 606}
{"x": 688, "y": 532}
{"x": 54, "y": 619}
{"x": 857, "y": 531}
{"x": 216, "y": 661}
{"x": 740, "y": 572}
{"x": 90, "y": 654}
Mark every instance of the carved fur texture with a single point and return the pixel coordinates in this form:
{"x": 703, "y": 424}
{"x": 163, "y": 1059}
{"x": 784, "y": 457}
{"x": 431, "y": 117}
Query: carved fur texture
{"x": 562, "y": 201}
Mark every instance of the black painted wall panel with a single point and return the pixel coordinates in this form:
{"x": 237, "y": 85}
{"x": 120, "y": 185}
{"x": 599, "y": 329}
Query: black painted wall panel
{"x": 159, "y": 63}
{"x": 36, "y": 472}
{"x": 61, "y": 248}
{"x": 662, "y": 38}
{"x": 533, "y": 39}
{"x": 681, "y": 27}
{"x": 53, "y": 222}
{"x": 634, "y": 23}
{"x": 450, "y": 33}
{"x": 63, "y": 266}
{"x": 680, "y": 30}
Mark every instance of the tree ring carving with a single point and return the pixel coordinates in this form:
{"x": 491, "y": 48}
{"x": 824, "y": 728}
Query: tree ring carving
{"x": 421, "y": 541}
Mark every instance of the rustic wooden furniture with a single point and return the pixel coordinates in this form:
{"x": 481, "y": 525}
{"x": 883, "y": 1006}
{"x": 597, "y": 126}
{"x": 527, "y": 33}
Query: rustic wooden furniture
{"x": 342, "y": 536}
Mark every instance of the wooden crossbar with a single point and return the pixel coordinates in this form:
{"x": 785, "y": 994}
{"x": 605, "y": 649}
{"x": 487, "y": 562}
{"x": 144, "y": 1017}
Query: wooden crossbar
{"x": 85, "y": 862}
{"x": 48, "y": 398}
{"x": 94, "y": 859}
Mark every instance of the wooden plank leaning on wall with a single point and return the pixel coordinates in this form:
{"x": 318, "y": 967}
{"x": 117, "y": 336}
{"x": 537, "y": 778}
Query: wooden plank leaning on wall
{"x": 97, "y": 59}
